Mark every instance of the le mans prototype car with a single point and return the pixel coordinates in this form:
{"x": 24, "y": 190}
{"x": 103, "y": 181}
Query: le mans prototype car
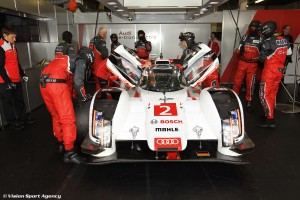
{"x": 161, "y": 116}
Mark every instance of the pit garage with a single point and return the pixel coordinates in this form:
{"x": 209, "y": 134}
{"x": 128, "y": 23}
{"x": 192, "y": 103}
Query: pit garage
{"x": 31, "y": 167}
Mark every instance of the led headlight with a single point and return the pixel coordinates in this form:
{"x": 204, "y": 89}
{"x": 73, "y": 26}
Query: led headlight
{"x": 102, "y": 130}
{"x": 231, "y": 128}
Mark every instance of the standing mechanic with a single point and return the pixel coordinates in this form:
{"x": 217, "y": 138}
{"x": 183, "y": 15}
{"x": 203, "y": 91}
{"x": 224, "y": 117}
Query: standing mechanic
{"x": 99, "y": 68}
{"x": 289, "y": 37}
{"x": 213, "y": 78}
{"x": 114, "y": 42}
{"x": 273, "y": 54}
{"x": 10, "y": 81}
{"x": 65, "y": 47}
{"x": 142, "y": 46}
{"x": 249, "y": 51}
{"x": 58, "y": 98}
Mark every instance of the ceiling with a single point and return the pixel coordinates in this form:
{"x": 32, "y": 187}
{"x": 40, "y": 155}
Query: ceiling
{"x": 192, "y": 9}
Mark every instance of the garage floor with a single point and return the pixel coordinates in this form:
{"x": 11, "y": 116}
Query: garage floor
{"x": 31, "y": 166}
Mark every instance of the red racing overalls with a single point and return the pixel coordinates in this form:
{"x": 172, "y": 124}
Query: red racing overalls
{"x": 58, "y": 100}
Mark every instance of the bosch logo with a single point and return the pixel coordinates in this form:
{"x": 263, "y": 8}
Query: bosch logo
{"x": 167, "y": 141}
{"x": 171, "y": 121}
{"x": 153, "y": 121}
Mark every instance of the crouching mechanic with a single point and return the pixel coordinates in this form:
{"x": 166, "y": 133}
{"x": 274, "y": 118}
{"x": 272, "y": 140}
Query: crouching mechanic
{"x": 58, "y": 98}
{"x": 273, "y": 54}
{"x": 249, "y": 51}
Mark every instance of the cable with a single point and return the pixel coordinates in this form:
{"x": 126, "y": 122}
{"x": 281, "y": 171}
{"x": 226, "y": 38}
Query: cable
{"x": 237, "y": 30}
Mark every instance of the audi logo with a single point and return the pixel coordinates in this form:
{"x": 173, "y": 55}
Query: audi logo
{"x": 167, "y": 141}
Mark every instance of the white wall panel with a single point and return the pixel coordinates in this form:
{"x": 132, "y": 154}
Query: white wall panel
{"x": 228, "y": 33}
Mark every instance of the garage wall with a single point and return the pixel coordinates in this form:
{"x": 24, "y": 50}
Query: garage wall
{"x": 164, "y": 37}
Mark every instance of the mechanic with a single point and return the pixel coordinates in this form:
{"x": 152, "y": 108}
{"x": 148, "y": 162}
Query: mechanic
{"x": 142, "y": 46}
{"x": 11, "y": 92}
{"x": 114, "y": 42}
{"x": 99, "y": 68}
{"x": 289, "y": 37}
{"x": 188, "y": 43}
{"x": 213, "y": 78}
{"x": 65, "y": 47}
{"x": 58, "y": 99}
{"x": 273, "y": 53}
{"x": 248, "y": 50}
{"x": 215, "y": 44}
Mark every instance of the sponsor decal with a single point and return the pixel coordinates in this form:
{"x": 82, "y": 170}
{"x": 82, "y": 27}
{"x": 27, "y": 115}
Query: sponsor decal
{"x": 166, "y": 129}
{"x": 167, "y": 143}
{"x": 153, "y": 121}
{"x": 171, "y": 121}
{"x": 128, "y": 35}
{"x": 281, "y": 42}
{"x": 161, "y": 99}
{"x": 165, "y": 109}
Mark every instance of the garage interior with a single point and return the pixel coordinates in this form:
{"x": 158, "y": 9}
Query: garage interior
{"x": 31, "y": 165}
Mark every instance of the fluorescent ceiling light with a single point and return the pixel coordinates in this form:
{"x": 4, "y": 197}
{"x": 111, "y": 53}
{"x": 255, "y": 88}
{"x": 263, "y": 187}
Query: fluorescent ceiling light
{"x": 111, "y": 3}
{"x": 258, "y": 1}
{"x": 120, "y": 10}
{"x": 214, "y": 2}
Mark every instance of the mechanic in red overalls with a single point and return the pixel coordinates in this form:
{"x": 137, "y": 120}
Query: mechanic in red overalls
{"x": 58, "y": 98}
{"x": 273, "y": 54}
{"x": 213, "y": 78}
{"x": 99, "y": 67}
{"x": 249, "y": 51}
{"x": 11, "y": 92}
{"x": 142, "y": 46}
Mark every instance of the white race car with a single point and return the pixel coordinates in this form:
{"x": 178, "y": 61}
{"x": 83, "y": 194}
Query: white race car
{"x": 162, "y": 116}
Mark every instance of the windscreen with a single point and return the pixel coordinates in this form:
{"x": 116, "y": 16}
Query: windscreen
{"x": 162, "y": 78}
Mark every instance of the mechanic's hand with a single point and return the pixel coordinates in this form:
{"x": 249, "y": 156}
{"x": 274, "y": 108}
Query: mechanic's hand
{"x": 25, "y": 79}
{"x": 11, "y": 86}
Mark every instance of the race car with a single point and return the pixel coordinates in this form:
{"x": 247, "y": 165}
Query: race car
{"x": 160, "y": 115}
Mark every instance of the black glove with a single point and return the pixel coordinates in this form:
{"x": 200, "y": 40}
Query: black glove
{"x": 11, "y": 86}
{"x": 289, "y": 59}
{"x": 87, "y": 98}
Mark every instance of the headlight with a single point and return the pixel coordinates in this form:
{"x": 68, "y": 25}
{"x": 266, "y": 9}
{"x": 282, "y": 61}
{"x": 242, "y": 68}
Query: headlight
{"x": 102, "y": 129}
{"x": 231, "y": 128}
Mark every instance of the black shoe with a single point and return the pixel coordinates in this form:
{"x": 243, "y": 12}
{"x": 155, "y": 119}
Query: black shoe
{"x": 72, "y": 157}
{"x": 18, "y": 126}
{"x": 28, "y": 121}
{"x": 60, "y": 147}
{"x": 267, "y": 123}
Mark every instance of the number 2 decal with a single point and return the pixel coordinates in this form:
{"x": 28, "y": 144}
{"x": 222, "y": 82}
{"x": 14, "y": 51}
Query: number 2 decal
{"x": 165, "y": 109}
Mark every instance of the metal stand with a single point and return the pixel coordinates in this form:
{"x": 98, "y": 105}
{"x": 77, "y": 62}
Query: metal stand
{"x": 288, "y": 108}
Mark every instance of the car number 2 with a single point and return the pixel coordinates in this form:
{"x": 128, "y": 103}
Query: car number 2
{"x": 165, "y": 109}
